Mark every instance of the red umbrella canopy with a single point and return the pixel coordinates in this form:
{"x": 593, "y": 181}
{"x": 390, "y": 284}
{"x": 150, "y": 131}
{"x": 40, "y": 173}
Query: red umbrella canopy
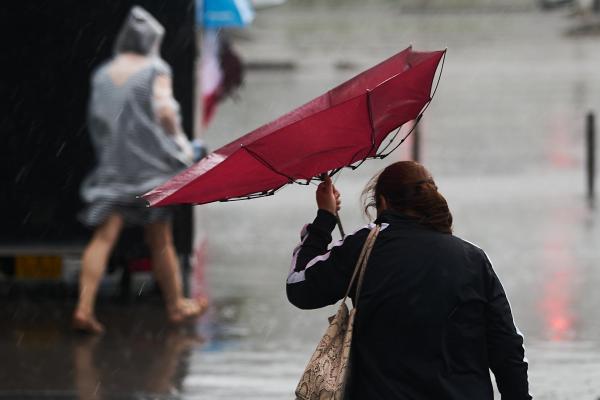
{"x": 339, "y": 128}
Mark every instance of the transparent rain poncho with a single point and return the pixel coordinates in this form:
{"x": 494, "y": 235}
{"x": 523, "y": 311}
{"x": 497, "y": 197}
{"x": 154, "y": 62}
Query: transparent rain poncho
{"x": 135, "y": 152}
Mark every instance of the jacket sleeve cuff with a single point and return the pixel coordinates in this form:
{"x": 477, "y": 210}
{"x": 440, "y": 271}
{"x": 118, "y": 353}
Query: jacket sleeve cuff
{"x": 325, "y": 221}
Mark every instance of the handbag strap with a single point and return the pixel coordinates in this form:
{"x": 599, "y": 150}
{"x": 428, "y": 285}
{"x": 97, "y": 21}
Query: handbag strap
{"x": 361, "y": 263}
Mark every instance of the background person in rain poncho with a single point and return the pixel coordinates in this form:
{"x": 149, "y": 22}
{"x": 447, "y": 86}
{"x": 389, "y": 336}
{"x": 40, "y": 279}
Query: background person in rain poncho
{"x": 134, "y": 124}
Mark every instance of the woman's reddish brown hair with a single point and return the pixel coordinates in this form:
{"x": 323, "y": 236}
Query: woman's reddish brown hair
{"x": 408, "y": 187}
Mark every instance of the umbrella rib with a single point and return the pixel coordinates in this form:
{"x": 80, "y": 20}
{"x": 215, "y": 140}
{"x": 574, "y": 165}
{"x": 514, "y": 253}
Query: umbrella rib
{"x": 335, "y": 171}
{"x": 381, "y": 155}
{"x": 266, "y": 164}
{"x": 390, "y": 141}
{"x": 253, "y": 195}
{"x": 372, "y": 126}
{"x": 370, "y": 110}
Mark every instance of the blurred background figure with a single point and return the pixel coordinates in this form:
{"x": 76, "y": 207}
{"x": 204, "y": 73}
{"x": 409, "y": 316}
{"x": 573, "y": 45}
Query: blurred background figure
{"x": 136, "y": 132}
{"x": 222, "y": 72}
{"x": 221, "y": 67}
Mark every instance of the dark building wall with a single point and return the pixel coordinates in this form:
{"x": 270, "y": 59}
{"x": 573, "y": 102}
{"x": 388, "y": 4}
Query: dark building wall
{"x": 50, "y": 50}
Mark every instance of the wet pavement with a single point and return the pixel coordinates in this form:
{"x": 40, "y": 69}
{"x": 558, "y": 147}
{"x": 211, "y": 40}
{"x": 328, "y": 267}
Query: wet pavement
{"x": 139, "y": 357}
{"x": 504, "y": 139}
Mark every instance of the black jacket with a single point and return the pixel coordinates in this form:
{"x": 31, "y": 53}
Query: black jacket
{"x": 432, "y": 318}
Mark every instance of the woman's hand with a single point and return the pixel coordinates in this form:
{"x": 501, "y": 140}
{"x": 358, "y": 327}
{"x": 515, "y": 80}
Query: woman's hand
{"x": 328, "y": 198}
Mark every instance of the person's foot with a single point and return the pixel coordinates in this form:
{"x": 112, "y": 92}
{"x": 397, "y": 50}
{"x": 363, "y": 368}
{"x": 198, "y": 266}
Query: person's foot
{"x": 86, "y": 324}
{"x": 188, "y": 309}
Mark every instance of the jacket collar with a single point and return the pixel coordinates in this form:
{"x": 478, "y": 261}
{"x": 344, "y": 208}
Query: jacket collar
{"x": 395, "y": 217}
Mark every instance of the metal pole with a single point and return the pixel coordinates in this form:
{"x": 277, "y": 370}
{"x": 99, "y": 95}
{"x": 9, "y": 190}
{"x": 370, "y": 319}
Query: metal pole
{"x": 416, "y": 143}
{"x": 591, "y": 156}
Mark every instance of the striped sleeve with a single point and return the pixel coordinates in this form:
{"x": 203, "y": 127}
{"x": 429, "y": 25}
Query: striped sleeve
{"x": 320, "y": 273}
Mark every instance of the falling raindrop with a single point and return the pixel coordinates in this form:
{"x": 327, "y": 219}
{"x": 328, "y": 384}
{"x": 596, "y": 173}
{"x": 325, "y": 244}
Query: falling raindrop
{"x": 22, "y": 172}
{"x": 60, "y": 149}
{"x": 26, "y": 219}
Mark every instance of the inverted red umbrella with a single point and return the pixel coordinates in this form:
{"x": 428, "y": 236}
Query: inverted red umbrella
{"x": 338, "y": 129}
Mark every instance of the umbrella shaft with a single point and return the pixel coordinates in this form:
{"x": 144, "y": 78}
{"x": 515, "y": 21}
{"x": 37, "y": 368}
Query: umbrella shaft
{"x": 339, "y": 224}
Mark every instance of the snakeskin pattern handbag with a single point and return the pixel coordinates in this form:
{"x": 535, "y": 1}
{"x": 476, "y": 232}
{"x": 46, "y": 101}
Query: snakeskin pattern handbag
{"x": 327, "y": 372}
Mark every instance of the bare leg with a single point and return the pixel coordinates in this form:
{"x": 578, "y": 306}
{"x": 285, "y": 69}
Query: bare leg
{"x": 159, "y": 237}
{"x": 93, "y": 266}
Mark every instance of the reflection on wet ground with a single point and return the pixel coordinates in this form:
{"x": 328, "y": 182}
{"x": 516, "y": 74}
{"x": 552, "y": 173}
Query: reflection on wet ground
{"x": 139, "y": 357}
{"x": 503, "y": 138}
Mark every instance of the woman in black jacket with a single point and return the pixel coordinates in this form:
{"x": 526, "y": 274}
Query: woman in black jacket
{"x": 433, "y": 316}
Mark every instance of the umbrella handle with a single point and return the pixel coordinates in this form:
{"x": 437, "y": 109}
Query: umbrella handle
{"x": 339, "y": 224}
{"x": 337, "y": 216}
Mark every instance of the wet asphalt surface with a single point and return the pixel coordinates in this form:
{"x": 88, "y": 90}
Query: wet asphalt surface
{"x": 504, "y": 140}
